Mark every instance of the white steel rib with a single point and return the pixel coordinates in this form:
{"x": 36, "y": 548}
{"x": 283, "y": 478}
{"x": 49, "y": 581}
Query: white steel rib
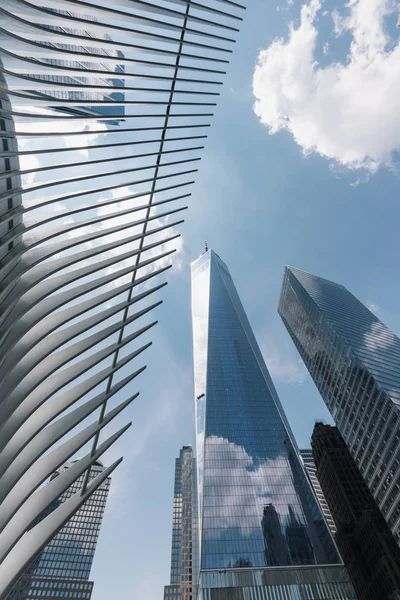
{"x": 104, "y": 110}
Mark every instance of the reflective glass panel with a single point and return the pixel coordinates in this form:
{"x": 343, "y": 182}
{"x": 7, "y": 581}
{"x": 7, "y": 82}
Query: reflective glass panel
{"x": 256, "y": 505}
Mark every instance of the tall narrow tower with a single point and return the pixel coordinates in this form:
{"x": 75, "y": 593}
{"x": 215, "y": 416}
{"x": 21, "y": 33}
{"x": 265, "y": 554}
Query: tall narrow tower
{"x": 184, "y": 533}
{"x": 260, "y": 525}
{"x": 354, "y": 360}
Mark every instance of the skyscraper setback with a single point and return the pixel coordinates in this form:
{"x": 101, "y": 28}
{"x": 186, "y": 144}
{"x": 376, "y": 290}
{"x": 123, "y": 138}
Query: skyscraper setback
{"x": 257, "y": 512}
{"x": 354, "y": 360}
{"x": 184, "y": 528}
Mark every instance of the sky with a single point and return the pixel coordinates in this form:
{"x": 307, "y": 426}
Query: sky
{"x": 301, "y": 168}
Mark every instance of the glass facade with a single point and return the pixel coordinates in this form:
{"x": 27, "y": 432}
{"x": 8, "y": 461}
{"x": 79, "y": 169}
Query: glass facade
{"x": 257, "y": 508}
{"x": 354, "y": 360}
{"x": 327, "y": 582}
{"x": 37, "y": 588}
{"x": 63, "y": 566}
{"x": 311, "y": 470}
{"x": 72, "y": 80}
{"x": 184, "y": 528}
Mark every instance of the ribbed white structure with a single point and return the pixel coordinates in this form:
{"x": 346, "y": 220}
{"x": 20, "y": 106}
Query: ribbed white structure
{"x": 102, "y": 109}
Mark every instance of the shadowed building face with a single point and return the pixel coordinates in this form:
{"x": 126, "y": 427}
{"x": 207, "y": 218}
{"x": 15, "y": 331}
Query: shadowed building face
{"x": 366, "y": 544}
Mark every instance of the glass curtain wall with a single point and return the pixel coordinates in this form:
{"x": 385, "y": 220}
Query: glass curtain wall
{"x": 257, "y": 508}
{"x": 354, "y": 360}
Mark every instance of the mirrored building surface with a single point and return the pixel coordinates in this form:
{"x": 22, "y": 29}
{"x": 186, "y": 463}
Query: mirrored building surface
{"x": 63, "y": 566}
{"x": 184, "y": 528}
{"x": 66, "y": 86}
{"x": 257, "y": 509}
{"x": 354, "y": 360}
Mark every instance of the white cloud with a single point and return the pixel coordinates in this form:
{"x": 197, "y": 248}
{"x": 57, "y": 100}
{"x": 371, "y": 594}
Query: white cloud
{"x": 106, "y": 211}
{"x": 285, "y": 7}
{"x": 348, "y": 112}
{"x": 35, "y": 161}
{"x": 137, "y": 229}
{"x": 84, "y": 142}
{"x": 28, "y": 162}
{"x": 262, "y": 482}
{"x": 379, "y": 337}
{"x": 372, "y": 306}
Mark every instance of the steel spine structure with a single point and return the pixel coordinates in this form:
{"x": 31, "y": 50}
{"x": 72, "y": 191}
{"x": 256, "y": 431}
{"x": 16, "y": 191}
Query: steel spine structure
{"x": 91, "y": 192}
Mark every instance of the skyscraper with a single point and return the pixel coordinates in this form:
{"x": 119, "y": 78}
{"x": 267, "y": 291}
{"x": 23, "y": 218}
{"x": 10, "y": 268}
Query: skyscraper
{"x": 365, "y": 541}
{"x": 354, "y": 360}
{"x": 261, "y": 528}
{"x": 184, "y": 528}
{"x": 311, "y": 470}
{"x": 63, "y": 566}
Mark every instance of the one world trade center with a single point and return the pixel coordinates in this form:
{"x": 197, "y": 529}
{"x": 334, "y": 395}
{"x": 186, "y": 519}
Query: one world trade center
{"x": 261, "y": 531}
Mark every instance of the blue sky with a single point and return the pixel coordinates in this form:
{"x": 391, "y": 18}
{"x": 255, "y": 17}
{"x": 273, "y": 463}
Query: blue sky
{"x": 315, "y": 186}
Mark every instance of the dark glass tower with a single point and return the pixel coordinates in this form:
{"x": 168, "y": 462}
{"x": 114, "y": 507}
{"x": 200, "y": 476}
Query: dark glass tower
{"x": 63, "y": 566}
{"x": 258, "y": 515}
{"x": 354, "y": 360}
{"x": 367, "y": 546}
{"x": 184, "y": 528}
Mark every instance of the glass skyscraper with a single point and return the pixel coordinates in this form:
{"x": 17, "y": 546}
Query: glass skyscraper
{"x": 354, "y": 360}
{"x": 260, "y": 525}
{"x": 113, "y": 102}
{"x": 184, "y": 528}
{"x": 62, "y": 569}
{"x": 311, "y": 470}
